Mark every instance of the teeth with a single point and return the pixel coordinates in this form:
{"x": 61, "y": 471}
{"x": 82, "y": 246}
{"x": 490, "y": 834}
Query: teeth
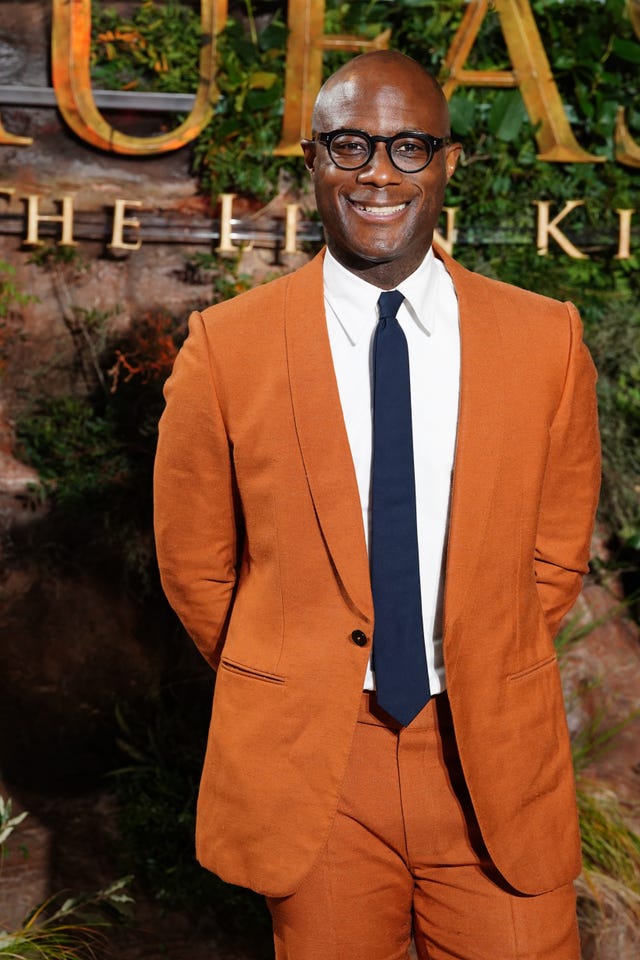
{"x": 381, "y": 211}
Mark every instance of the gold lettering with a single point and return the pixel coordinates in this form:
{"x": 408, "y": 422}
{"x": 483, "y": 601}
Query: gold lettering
{"x": 626, "y": 149}
{"x": 548, "y": 229}
{"x": 34, "y": 218}
{"x": 12, "y": 139}
{"x": 70, "y": 56}
{"x": 303, "y": 76}
{"x": 447, "y": 242}
{"x": 226, "y": 210}
{"x": 531, "y": 74}
{"x": 624, "y": 236}
{"x": 291, "y": 228}
{"x": 120, "y": 222}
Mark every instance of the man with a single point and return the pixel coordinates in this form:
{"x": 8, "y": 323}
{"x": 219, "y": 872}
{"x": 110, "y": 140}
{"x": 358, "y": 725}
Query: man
{"x": 417, "y": 787}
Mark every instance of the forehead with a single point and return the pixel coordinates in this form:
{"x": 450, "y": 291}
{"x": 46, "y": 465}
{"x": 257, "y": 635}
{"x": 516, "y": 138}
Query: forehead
{"x": 383, "y": 106}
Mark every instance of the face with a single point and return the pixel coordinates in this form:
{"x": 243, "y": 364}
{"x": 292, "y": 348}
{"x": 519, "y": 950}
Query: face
{"x": 379, "y": 221}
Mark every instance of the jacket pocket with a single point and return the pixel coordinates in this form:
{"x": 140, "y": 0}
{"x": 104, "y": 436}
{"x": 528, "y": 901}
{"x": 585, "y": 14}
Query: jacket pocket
{"x": 539, "y": 665}
{"x": 241, "y": 670}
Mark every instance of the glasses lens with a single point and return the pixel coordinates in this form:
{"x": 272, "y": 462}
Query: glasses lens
{"x": 411, "y": 153}
{"x": 349, "y": 151}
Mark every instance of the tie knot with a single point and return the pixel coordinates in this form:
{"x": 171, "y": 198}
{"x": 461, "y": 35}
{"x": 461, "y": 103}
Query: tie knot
{"x": 389, "y": 303}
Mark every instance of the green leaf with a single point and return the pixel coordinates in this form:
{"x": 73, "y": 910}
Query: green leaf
{"x": 261, "y": 80}
{"x": 507, "y": 115}
{"x": 260, "y": 100}
{"x": 633, "y": 541}
{"x": 626, "y": 50}
{"x": 463, "y": 114}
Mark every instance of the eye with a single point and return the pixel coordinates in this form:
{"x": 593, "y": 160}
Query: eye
{"x": 411, "y": 147}
{"x": 350, "y": 146}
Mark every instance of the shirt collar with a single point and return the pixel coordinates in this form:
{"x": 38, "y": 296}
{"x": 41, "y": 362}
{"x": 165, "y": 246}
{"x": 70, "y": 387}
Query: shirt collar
{"x": 353, "y": 300}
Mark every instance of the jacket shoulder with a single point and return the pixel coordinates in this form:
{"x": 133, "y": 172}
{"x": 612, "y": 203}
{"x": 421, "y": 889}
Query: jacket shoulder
{"x": 264, "y": 304}
{"x": 497, "y": 292}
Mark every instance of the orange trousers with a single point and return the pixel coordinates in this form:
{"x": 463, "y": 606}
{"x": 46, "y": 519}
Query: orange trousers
{"x": 405, "y": 860}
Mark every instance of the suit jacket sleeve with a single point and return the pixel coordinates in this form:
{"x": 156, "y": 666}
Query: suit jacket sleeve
{"x": 195, "y": 509}
{"x": 571, "y": 485}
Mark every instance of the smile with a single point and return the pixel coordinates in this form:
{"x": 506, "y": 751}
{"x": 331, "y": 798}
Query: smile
{"x": 380, "y": 211}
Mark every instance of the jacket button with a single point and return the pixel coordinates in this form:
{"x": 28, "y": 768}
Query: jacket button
{"x": 359, "y": 638}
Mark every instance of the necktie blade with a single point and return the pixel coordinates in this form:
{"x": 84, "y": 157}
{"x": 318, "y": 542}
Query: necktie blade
{"x": 399, "y": 656}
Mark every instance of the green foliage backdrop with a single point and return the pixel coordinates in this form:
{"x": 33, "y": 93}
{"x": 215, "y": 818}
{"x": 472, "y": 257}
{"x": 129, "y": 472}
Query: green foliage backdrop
{"x": 595, "y": 59}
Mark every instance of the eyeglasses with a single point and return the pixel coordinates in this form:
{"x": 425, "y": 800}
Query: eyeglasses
{"x": 408, "y": 151}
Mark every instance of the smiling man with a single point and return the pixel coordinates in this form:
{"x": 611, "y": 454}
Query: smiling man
{"x": 379, "y": 215}
{"x": 375, "y": 487}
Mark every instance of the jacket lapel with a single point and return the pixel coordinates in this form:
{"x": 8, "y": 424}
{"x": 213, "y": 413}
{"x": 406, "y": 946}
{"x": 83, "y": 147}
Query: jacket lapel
{"x": 480, "y": 440}
{"x": 325, "y": 446}
{"x": 322, "y": 435}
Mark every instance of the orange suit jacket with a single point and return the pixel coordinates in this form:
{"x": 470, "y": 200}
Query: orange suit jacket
{"x": 262, "y": 554}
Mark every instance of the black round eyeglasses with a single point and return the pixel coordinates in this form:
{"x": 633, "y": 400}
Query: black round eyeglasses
{"x": 408, "y": 151}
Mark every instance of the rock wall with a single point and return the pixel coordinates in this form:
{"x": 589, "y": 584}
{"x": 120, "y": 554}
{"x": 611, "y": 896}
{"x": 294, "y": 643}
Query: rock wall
{"x": 72, "y": 643}
{"x": 121, "y": 287}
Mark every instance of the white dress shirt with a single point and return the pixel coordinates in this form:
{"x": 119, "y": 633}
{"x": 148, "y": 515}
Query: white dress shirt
{"x": 429, "y": 318}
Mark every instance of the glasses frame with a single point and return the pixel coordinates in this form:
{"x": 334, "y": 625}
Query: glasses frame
{"x": 434, "y": 144}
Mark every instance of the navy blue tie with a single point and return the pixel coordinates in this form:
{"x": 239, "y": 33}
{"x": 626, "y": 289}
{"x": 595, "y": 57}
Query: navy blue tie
{"x": 399, "y": 658}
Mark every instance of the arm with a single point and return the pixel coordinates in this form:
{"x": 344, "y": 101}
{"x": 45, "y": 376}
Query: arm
{"x": 571, "y": 486}
{"x": 195, "y": 517}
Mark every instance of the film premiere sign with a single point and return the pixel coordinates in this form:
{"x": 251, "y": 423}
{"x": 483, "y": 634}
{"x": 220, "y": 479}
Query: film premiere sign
{"x": 531, "y": 73}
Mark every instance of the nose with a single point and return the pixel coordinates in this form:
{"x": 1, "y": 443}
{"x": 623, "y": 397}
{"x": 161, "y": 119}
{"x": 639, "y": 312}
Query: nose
{"x": 379, "y": 169}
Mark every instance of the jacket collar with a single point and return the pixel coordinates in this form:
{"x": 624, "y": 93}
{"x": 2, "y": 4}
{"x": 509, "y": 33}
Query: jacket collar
{"x": 480, "y": 443}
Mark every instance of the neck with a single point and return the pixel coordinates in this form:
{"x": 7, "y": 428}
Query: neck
{"x": 385, "y": 274}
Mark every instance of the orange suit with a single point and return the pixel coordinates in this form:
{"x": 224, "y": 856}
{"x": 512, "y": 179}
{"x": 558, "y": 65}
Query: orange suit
{"x": 262, "y": 554}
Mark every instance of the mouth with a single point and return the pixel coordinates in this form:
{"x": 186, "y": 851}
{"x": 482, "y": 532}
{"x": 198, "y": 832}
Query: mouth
{"x": 376, "y": 210}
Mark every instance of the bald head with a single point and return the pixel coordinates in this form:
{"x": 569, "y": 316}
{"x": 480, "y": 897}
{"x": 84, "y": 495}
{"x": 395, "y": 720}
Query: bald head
{"x": 372, "y": 74}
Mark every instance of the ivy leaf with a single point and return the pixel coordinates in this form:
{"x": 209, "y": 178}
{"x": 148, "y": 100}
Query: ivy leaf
{"x": 274, "y": 35}
{"x": 607, "y": 116}
{"x": 261, "y": 80}
{"x": 633, "y": 540}
{"x": 507, "y": 115}
{"x": 626, "y": 49}
{"x": 262, "y": 99}
{"x": 463, "y": 114}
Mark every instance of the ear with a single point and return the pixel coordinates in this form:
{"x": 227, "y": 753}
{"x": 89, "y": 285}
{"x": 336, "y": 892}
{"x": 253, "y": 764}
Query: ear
{"x": 452, "y": 156}
{"x": 309, "y": 151}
